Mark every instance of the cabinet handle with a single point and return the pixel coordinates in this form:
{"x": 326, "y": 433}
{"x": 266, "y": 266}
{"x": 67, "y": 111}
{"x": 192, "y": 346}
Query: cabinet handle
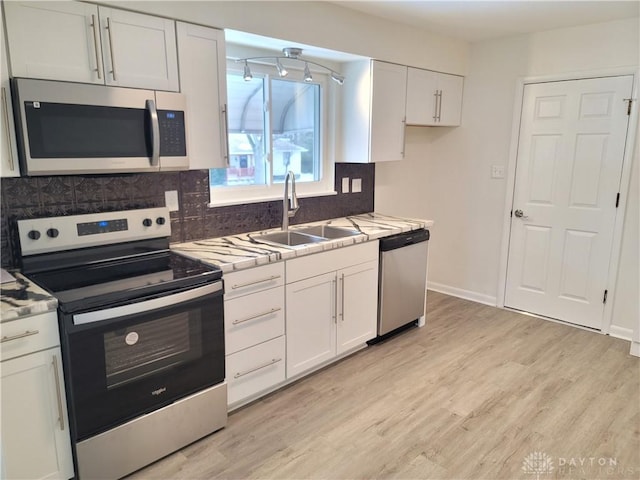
{"x": 404, "y": 135}
{"x": 255, "y": 282}
{"x": 56, "y": 374}
{"x": 435, "y": 106}
{"x": 225, "y": 130}
{"x": 94, "y": 26}
{"x": 334, "y": 283}
{"x": 342, "y": 297}
{"x": 113, "y": 61}
{"x": 440, "y": 106}
{"x": 5, "y": 111}
{"x": 27, "y": 333}
{"x": 257, "y": 315}
{"x": 259, "y": 367}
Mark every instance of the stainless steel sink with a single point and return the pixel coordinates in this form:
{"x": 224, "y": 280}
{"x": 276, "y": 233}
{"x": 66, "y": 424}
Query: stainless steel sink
{"x": 289, "y": 238}
{"x": 329, "y": 232}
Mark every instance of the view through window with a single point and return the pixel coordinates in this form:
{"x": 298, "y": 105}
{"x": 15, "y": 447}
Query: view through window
{"x": 274, "y": 127}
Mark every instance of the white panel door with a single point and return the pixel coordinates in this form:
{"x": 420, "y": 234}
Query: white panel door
{"x": 388, "y": 98}
{"x": 570, "y": 155}
{"x": 310, "y": 322}
{"x": 203, "y": 79}
{"x": 54, "y": 40}
{"x": 139, "y": 50}
{"x": 8, "y": 151}
{"x": 450, "y": 101}
{"x": 357, "y": 305}
{"x": 35, "y": 427}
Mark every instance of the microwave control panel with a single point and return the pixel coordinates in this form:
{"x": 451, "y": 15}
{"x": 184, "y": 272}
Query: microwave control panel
{"x": 173, "y": 141}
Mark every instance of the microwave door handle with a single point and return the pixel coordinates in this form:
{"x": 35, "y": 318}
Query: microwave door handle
{"x": 155, "y": 133}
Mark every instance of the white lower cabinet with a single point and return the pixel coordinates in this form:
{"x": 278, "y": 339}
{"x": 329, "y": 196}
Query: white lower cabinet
{"x": 254, "y": 332}
{"x": 35, "y": 426}
{"x": 330, "y": 310}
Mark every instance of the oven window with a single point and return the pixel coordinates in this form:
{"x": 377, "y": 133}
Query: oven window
{"x": 147, "y": 348}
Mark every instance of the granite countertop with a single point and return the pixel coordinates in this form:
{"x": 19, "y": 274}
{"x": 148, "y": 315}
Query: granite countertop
{"x": 237, "y": 252}
{"x": 23, "y": 298}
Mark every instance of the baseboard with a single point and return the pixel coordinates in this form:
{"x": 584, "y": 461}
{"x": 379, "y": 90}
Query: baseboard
{"x": 635, "y": 349}
{"x": 620, "y": 332}
{"x": 466, "y": 294}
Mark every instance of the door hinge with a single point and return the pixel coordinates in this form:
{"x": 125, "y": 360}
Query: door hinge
{"x": 630, "y": 101}
{"x": 617, "y": 199}
{"x": 604, "y": 297}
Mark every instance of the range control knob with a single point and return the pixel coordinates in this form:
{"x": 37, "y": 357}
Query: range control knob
{"x": 34, "y": 234}
{"x": 52, "y": 233}
{"x": 147, "y": 222}
{"x": 160, "y": 220}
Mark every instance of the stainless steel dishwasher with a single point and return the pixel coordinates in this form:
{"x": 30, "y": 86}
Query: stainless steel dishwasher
{"x": 403, "y": 280}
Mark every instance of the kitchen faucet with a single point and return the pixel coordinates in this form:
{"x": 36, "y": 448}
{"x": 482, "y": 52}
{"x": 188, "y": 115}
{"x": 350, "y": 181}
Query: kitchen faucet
{"x": 290, "y": 209}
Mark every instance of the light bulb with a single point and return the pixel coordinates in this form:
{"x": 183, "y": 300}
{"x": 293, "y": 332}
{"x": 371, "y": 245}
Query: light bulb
{"x": 307, "y": 74}
{"x": 281, "y": 70}
{"x": 247, "y": 72}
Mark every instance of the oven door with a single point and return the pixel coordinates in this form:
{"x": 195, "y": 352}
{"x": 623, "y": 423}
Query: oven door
{"x": 128, "y": 360}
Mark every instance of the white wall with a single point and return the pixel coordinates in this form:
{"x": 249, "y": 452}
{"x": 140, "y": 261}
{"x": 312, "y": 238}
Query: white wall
{"x": 321, "y": 24}
{"x": 446, "y": 174}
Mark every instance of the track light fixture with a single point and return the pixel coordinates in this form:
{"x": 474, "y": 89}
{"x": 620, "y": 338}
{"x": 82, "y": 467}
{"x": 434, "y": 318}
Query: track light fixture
{"x": 290, "y": 53}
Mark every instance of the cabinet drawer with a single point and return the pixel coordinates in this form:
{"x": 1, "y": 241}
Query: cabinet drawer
{"x": 253, "y": 280}
{"x": 253, "y": 319}
{"x": 29, "y": 334}
{"x": 255, "y": 369}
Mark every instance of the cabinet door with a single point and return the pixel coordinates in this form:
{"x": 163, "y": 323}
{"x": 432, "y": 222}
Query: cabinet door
{"x": 310, "y": 323}
{"x": 54, "y": 40}
{"x": 8, "y": 153}
{"x": 357, "y": 305}
{"x": 203, "y": 80}
{"x": 139, "y": 50}
{"x": 35, "y": 427}
{"x": 450, "y": 109}
{"x": 388, "y": 98}
{"x": 422, "y": 91}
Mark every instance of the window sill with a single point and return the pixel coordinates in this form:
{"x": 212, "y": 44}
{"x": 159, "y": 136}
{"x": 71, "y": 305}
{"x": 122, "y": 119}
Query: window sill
{"x": 226, "y": 203}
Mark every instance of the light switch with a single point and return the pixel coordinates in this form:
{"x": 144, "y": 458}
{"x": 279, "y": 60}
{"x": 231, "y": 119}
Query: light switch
{"x": 345, "y": 184}
{"x": 356, "y": 185}
{"x": 171, "y": 200}
{"x": 497, "y": 171}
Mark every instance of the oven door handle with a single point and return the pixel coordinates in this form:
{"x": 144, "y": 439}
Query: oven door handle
{"x": 145, "y": 306}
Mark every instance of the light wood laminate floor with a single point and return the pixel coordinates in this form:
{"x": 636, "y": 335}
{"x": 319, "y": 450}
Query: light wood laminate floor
{"x": 470, "y": 396}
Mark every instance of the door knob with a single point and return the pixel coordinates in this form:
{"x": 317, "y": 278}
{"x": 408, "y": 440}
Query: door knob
{"x": 520, "y": 214}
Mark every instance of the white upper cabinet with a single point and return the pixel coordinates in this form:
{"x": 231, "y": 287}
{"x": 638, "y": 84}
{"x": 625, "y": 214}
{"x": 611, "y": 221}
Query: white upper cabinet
{"x": 139, "y": 50}
{"x": 388, "y": 97}
{"x": 8, "y": 153}
{"x": 80, "y": 42}
{"x": 374, "y": 97}
{"x": 203, "y": 80}
{"x": 433, "y": 99}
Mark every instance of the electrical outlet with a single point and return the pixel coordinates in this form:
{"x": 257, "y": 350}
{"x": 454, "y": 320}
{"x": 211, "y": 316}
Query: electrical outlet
{"x": 171, "y": 200}
{"x": 356, "y": 185}
{"x": 497, "y": 171}
{"x": 345, "y": 184}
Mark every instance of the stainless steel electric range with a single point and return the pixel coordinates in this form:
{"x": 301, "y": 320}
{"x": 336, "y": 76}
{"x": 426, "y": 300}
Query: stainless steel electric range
{"x": 142, "y": 333}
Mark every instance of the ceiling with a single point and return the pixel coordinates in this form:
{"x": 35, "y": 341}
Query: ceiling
{"x": 478, "y": 20}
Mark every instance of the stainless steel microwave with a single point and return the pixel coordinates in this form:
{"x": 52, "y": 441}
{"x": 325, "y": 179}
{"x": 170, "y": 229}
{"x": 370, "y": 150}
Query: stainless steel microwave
{"x": 70, "y": 128}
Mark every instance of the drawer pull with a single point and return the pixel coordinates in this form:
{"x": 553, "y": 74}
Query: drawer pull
{"x": 255, "y": 282}
{"x": 58, "y": 394}
{"x": 255, "y": 369}
{"x": 257, "y": 315}
{"x": 28, "y": 333}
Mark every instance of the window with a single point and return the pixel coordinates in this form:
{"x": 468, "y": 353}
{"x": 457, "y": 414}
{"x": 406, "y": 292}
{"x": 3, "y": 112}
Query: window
{"x": 276, "y": 125}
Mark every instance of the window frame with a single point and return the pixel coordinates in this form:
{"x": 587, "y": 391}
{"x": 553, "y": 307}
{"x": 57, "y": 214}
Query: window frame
{"x": 239, "y": 194}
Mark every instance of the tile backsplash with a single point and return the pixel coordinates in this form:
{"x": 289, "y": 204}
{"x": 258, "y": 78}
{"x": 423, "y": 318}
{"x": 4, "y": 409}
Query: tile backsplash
{"x": 31, "y": 197}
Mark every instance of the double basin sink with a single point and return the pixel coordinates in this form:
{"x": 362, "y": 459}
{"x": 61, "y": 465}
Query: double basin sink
{"x": 307, "y": 235}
